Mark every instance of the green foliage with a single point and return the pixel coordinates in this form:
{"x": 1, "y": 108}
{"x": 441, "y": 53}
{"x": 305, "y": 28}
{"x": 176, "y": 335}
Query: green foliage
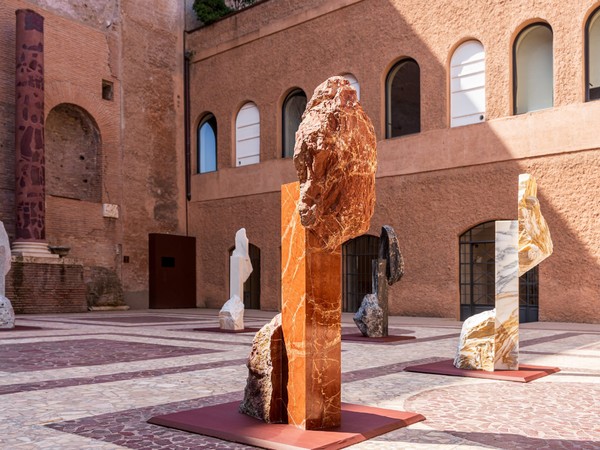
{"x": 209, "y": 11}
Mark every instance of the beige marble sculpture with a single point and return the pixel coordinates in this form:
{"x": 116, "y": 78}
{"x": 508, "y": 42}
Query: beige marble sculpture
{"x": 520, "y": 246}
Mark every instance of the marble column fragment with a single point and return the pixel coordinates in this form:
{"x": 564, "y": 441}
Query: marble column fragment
{"x": 311, "y": 316}
{"x": 506, "y": 344}
{"x": 29, "y": 134}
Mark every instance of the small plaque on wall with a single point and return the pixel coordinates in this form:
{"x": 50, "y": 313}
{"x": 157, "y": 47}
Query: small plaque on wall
{"x": 109, "y": 210}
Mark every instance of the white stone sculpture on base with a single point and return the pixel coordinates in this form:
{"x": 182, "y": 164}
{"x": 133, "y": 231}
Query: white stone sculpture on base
{"x": 520, "y": 246}
{"x": 7, "y": 314}
{"x": 231, "y": 316}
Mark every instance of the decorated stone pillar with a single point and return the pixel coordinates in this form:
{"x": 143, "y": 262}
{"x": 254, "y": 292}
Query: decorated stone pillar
{"x": 29, "y": 136}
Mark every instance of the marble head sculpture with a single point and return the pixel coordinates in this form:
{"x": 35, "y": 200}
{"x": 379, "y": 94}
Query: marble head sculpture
{"x": 335, "y": 159}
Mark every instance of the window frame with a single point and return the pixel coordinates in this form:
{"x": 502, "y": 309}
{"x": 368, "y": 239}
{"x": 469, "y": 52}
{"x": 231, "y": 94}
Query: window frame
{"x": 514, "y": 64}
{"x": 388, "y": 96}
{"x": 297, "y": 92}
{"x": 595, "y": 15}
{"x": 210, "y": 120}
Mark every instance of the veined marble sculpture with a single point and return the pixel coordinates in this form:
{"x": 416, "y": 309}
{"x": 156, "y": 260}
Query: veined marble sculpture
{"x": 372, "y": 316}
{"x": 7, "y": 314}
{"x": 520, "y": 246}
{"x": 231, "y": 316}
{"x": 335, "y": 157}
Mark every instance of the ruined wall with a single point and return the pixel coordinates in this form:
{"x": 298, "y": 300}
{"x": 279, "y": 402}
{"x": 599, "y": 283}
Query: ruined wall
{"x": 431, "y": 186}
{"x": 119, "y": 64}
{"x": 153, "y": 167}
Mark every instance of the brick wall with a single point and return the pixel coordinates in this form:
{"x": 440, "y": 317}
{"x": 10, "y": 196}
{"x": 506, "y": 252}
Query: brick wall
{"x": 39, "y": 286}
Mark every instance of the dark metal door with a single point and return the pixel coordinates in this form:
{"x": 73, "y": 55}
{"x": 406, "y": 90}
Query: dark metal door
{"x": 172, "y": 271}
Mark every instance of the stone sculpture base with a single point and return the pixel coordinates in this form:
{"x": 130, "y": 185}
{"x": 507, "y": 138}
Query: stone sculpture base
{"x": 359, "y": 338}
{"x": 524, "y": 374}
{"x": 359, "y": 423}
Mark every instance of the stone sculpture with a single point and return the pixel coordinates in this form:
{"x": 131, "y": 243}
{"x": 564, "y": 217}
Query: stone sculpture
{"x": 372, "y": 316}
{"x": 267, "y": 375}
{"x": 335, "y": 157}
{"x": 231, "y": 316}
{"x": 476, "y": 342}
{"x": 520, "y": 246}
{"x": 335, "y": 160}
{"x": 7, "y": 314}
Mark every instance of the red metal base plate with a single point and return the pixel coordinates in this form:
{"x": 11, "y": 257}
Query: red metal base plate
{"x": 525, "y": 374}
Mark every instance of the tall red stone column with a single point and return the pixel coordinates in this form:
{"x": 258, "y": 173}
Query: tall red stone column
{"x": 311, "y": 315}
{"x": 29, "y": 136}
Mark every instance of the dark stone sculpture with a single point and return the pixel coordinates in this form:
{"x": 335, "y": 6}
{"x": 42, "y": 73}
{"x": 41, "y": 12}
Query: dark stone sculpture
{"x": 372, "y": 316}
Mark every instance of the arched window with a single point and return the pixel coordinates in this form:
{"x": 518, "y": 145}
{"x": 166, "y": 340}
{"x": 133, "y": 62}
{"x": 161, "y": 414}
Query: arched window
{"x": 403, "y": 99}
{"x": 252, "y": 284}
{"x": 207, "y": 144}
{"x": 477, "y": 276}
{"x": 73, "y": 154}
{"x": 467, "y": 84}
{"x": 593, "y": 57}
{"x": 357, "y": 255}
{"x": 247, "y": 135}
{"x": 293, "y": 108}
{"x": 533, "y": 74}
{"x": 353, "y": 82}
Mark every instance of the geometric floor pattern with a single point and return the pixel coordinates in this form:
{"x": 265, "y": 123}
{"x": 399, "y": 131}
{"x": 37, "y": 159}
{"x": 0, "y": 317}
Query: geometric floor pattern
{"x": 81, "y": 381}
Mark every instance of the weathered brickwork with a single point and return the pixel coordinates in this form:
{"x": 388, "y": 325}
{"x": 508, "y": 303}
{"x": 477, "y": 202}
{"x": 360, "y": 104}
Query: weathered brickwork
{"x": 37, "y": 287}
{"x": 125, "y": 151}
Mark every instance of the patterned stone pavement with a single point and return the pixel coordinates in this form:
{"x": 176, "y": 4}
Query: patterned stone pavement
{"x": 90, "y": 381}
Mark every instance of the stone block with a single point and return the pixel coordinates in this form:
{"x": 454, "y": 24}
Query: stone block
{"x": 476, "y": 343}
{"x": 265, "y": 392}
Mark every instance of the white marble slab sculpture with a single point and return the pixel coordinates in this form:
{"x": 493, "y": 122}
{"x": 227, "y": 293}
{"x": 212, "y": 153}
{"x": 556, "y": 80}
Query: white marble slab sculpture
{"x": 506, "y": 345}
{"x": 520, "y": 246}
{"x": 240, "y": 269}
{"x": 7, "y": 314}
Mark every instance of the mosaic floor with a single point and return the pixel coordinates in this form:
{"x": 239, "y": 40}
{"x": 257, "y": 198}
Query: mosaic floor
{"x": 90, "y": 381}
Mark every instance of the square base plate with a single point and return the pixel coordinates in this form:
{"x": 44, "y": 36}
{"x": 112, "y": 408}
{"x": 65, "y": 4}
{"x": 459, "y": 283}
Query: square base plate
{"x": 225, "y": 422}
{"x": 525, "y": 374}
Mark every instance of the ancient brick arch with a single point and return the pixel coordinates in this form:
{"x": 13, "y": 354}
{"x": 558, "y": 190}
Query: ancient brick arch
{"x": 73, "y": 154}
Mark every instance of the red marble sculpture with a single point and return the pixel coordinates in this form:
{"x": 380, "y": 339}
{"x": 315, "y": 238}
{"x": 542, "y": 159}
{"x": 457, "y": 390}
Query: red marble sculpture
{"x": 29, "y": 126}
{"x": 311, "y": 288}
{"x": 335, "y": 157}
